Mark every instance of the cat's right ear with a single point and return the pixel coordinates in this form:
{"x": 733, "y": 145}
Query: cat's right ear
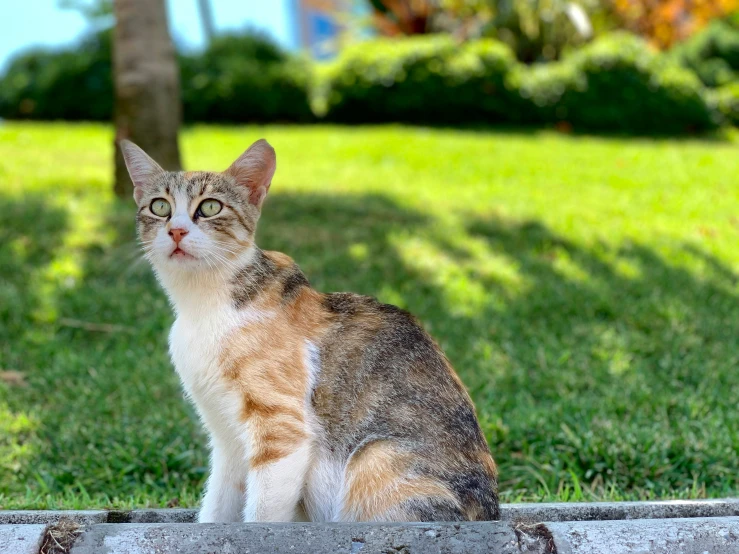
{"x": 142, "y": 169}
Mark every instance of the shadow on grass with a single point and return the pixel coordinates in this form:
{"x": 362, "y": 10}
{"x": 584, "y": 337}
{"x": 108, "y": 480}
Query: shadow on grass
{"x": 27, "y": 243}
{"x": 600, "y": 366}
{"x": 28, "y": 237}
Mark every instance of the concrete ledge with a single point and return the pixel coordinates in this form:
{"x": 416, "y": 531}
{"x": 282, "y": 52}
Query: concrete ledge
{"x": 298, "y": 538}
{"x": 589, "y": 511}
{"x": 700, "y": 535}
{"x": 687, "y": 536}
{"x": 163, "y": 515}
{"x": 689, "y": 527}
{"x": 46, "y": 517}
{"x": 527, "y": 513}
{"x": 661, "y": 536}
{"x": 21, "y": 539}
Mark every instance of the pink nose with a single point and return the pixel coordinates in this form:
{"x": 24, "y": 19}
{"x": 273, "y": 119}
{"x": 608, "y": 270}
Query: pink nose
{"x": 177, "y": 234}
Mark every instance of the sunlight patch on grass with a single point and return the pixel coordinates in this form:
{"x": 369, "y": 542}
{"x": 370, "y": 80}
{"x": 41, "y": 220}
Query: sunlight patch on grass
{"x": 567, "y": 267}
{"x": 17, "y": 438}
{"x": 64, "y": 271}
{"x": 463, "y": 294}
{"x": 359, "y": 252}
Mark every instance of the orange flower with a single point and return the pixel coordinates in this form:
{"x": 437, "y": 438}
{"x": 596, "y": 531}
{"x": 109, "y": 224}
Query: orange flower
{"x": 665, "y": 22}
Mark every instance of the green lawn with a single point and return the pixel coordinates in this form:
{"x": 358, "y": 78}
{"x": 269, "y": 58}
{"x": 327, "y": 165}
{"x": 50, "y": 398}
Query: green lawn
{"x": 585, "y": 289}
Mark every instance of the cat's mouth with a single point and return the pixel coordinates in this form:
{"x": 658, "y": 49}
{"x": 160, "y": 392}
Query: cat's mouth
{"x": 179, "y": 253}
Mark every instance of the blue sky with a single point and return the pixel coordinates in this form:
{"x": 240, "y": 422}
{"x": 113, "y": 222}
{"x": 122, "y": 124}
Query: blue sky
{"x": 25, "y": 23}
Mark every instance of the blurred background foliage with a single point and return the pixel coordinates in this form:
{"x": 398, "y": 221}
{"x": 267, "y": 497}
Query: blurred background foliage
{"x": 242, "y": 78}
{"x": 610, "y": 65}
{"x": 616, "y": 83}
{"x": 536, "y": 30}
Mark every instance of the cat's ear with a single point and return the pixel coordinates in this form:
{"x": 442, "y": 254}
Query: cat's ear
{"x": 254, "y": 170}
{"x": 142, "y": 169}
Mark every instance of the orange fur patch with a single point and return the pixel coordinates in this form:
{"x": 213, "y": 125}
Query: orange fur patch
{"x": 378, "y": 480}
{"x": 487, "y": 461}
{"x": 265, "y": 362}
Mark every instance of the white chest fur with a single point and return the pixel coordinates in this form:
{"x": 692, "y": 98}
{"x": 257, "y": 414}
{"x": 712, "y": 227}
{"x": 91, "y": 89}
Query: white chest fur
{"x": 196, "y": 343}
{"x": 207, "y": 330}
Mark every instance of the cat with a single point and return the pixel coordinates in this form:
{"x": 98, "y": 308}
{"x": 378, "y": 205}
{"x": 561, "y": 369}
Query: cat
{"x": 325, "y": 407}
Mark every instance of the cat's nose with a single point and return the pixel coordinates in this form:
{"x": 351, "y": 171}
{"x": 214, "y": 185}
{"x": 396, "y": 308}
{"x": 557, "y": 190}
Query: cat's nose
{"x": 177, "y": 234}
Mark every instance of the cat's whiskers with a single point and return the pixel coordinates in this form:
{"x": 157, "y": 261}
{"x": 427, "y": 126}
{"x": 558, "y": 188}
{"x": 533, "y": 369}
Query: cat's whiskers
{"x": 218, "y": 252}
{"x": 220, "y": 265}
{"x": 206, "y": 259}
{"x": 223, "y": 247}
{"x": 235, "y": 269}
{"x": 213, "y": 255}
{"x": 223, "y": 265}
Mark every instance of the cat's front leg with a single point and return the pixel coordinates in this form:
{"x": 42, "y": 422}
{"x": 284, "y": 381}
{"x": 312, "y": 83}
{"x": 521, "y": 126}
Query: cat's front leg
{"x": 275, "y": 484}
{"x": 224, "y": 493}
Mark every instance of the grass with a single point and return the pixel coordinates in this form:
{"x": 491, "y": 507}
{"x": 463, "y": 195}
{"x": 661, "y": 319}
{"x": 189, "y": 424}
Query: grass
{"x": 585, "y": 289}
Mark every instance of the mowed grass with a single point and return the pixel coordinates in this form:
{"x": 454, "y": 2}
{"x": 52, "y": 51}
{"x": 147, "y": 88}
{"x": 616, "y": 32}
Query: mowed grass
{"x": 584, "y": 288}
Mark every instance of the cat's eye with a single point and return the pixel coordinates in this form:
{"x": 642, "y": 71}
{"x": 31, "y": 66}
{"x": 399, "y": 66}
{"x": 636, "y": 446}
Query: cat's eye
{"x": 160, "y": 207}
{"x": 209, "y": 208}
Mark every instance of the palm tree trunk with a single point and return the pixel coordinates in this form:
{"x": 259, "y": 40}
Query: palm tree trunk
{"x": 147, "y": 86}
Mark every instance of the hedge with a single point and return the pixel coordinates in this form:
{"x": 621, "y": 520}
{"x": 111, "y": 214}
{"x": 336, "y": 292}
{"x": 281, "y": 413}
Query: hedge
{"x": 238, "y": 78}
{"x": 617, "y": 83}
{"x": 726, "y": 99}
{"x": 71, "y": 84}
{"x": 423, "y": 79}
{"x": 713, "y": 54}
{"x": 242, "y": 78}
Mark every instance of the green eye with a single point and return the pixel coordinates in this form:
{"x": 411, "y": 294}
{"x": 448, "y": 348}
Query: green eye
{"x": 160, "y": 207}
{"x": 209, "y": 208}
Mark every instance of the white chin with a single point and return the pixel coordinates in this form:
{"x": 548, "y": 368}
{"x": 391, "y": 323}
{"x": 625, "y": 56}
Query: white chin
{"x": 178, "y": 262}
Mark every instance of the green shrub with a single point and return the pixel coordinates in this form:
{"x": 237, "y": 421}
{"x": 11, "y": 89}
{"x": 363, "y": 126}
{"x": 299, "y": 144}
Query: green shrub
{"x": 73, "y": 84}
{"x": 242, "y": 78}
{"x": 238, "y": 78}
{"x": 726, "y": 99}
{"x": 424, "y": 79}
{"x": 713, "y": 54}
{"x": 617, "y": 83}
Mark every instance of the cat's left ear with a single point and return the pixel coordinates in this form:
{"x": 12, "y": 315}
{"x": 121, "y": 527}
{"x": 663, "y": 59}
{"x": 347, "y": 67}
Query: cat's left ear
{"x": 254, "y": 170}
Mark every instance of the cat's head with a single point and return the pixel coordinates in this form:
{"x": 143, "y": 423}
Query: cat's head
{"x": 199, "y": 221}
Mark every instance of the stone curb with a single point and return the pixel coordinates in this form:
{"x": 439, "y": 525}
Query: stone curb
{"x": 521, "y": 512}
{"x": 718, "y": 535}
{"x": 21, "y": 539}
{"x": 589, "y": 511}
{"x": 688, "y": 527}
{"x": 46, "y": 517}
{"x": 298, "y": 538}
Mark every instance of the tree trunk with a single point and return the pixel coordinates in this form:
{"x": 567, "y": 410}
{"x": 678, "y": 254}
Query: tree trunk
{"x": 147, "y": 86}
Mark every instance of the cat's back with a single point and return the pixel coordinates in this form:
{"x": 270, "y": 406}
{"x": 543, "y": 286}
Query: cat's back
{"x": 390, "y": 402}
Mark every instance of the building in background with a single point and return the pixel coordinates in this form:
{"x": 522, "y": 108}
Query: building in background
{"x": 321, "y": 27}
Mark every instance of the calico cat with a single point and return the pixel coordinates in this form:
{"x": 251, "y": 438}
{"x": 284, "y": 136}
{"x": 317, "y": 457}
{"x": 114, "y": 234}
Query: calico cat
{"x": 330, "y": 407}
